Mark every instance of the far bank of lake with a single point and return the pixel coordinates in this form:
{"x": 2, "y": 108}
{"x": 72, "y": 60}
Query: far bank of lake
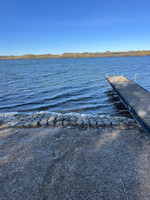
{"x": 78, "y": 55}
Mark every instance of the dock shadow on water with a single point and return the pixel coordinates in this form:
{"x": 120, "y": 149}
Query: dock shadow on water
{"x": 66, "y": 163}
{"x": 114, "y": 99}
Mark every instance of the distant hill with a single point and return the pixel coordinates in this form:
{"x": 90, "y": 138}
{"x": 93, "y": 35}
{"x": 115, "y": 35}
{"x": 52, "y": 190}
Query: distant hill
{"x": 79, "y": 55}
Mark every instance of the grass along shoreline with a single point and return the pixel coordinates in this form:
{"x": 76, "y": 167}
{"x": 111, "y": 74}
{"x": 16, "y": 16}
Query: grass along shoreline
{"x": 78, "y": 55}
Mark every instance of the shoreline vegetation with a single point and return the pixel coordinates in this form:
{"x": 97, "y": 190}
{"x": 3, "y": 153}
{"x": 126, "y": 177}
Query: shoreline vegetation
{"x": 78, "y": 55}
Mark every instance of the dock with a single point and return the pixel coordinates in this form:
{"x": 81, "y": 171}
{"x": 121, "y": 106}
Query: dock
{"x": 135, "y": 98}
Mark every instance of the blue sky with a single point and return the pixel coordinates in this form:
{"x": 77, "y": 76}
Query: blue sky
{"x": 58, "y": 26}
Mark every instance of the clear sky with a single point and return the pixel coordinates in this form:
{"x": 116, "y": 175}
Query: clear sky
{"x": 58, "y": 26}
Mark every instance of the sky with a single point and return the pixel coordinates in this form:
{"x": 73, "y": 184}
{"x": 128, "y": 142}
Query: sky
{"x": 58, "y": 26}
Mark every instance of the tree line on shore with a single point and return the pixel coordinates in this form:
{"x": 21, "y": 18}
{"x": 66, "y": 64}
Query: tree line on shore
{"x": 79, "y": 55}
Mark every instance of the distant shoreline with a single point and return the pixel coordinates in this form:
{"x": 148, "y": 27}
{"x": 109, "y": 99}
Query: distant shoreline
{"x": 78, "y": 55}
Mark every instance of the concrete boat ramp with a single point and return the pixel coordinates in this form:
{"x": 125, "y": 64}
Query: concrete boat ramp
{"x": 134, "y": 97}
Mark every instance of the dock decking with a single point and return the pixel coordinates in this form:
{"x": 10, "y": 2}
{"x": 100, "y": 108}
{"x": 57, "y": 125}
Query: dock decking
{"x": 135, "y": 98}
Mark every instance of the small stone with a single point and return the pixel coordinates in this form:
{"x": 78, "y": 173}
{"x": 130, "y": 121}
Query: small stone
{"x": 73, "y": 118}
{"x": 127, "y": 122}
{"x": 27, "y": 124}
{"x": 131, "y": 121}
{"x": 38, "y": 116}
{"x": 65, "y": 123}
{"x": 92, "y": 122}
{"x": 13, "y": 124}
{"x": 122, "y": 122}
{"x": 59, "y": 123}
{"x": 38, "y": 119}
{"x": 52, "y": 118}
{"x": 79, "y": 122}
{"x": 60, "y": 118}
{"x": 84, "y": 118}
{"x": 51, "y": 123}
{"x": 69, "y": 123}
{"x": 47, "y": 115}
{"x": 66, "y": 117}
{"x": 114, "y": 123}
{"x": 106, "y": 122}
{"x": 73, "y": 123}
{"x": 43, "y": 122}
{"x": 20, "y": 124}
{"x": 100, "y": 123}
{"x": 86, "y": 123}
{"x": 34, "y": 124}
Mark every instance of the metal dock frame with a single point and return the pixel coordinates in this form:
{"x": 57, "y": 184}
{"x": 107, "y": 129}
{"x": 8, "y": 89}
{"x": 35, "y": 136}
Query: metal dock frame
{"x": 128, "y": 106}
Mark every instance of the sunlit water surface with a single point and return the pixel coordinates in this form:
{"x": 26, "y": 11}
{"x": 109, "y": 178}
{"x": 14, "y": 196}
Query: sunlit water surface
{"x": 66, "y": 85}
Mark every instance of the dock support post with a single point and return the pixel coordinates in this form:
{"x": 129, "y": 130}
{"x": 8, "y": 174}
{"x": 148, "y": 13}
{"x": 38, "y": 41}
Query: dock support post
{"x": 135, "y": 78}
{"x": 106, "y": 81}
{"x": 113, "y": 78}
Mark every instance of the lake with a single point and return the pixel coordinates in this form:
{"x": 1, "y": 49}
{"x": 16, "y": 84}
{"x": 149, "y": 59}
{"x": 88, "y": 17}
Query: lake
{"x": 66, "y": 85}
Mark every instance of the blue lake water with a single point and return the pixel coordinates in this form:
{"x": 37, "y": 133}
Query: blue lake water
{"x": 66, "y": 85}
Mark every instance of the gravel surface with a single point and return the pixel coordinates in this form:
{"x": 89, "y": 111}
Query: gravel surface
{"x": 70, "y": 163}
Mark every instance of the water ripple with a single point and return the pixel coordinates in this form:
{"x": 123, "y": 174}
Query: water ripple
{"x": 66, "y": 85}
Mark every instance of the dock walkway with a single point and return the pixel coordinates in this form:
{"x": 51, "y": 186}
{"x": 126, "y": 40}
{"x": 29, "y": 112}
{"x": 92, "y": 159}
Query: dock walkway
{"x": 135, "y": 98}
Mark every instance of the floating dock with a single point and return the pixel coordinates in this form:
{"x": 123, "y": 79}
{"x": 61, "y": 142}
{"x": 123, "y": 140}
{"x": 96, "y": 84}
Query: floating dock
{"x": 134, "y": 97}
